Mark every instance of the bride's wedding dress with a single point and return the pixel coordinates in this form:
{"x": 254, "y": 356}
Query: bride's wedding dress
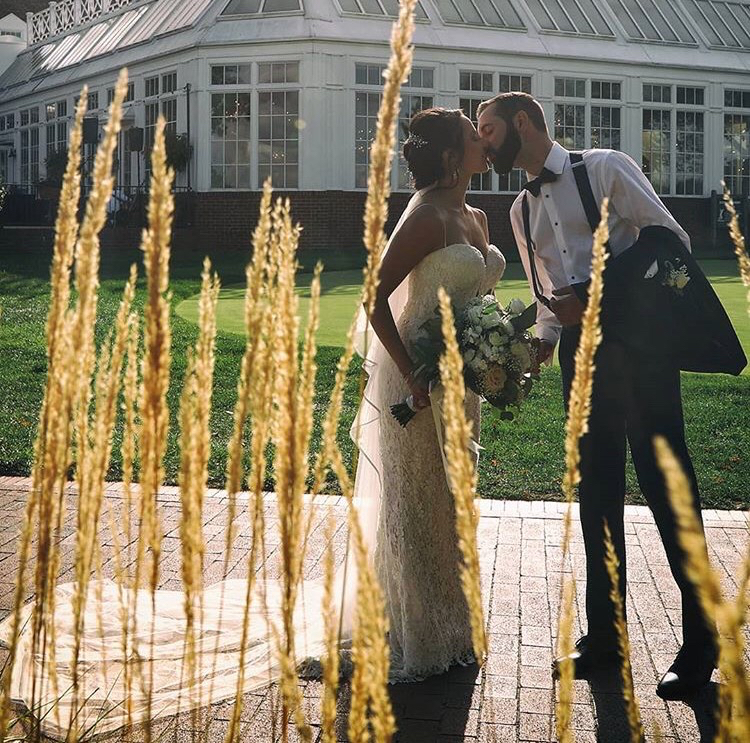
{"x": 407, "y": 515}
{"x": 416, "y": 550}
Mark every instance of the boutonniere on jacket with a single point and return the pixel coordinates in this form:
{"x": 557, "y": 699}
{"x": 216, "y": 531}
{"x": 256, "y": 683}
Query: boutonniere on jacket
{"x": 675, "y": 277}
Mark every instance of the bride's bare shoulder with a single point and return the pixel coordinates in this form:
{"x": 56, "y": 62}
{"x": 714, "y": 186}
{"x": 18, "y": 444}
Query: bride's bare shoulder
{"x": 423, "y": 229}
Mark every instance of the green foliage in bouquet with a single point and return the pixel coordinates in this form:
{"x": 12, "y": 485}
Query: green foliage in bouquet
{"x": 497, "y": 350}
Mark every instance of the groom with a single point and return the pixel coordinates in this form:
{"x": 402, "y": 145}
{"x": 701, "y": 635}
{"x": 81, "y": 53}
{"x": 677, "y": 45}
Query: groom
{"x": 636, "y": 395}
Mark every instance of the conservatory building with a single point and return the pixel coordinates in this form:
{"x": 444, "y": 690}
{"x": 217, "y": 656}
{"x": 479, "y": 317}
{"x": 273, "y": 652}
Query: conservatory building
{"x": 290, "y": 89}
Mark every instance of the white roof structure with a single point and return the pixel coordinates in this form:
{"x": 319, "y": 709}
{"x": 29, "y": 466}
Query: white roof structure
{"x": 73, "y": 38}
{"x": 667, "y": 81}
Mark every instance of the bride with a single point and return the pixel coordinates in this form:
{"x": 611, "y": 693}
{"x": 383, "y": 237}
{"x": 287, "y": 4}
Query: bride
{"x": 401, "y": 492}
{"x": 439, "y": 241}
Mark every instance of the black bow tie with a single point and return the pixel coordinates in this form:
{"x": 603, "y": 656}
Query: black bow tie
{"x": 546, "y": 176}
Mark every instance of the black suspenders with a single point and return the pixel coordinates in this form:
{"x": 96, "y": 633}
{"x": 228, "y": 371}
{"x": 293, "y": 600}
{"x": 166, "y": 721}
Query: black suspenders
{"x": 589, "y": 206}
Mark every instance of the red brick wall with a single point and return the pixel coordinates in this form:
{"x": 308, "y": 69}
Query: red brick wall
{"x": 333, "y": 219}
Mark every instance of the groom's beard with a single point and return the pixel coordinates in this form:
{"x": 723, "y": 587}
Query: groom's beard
{"x": 503, "y": 157}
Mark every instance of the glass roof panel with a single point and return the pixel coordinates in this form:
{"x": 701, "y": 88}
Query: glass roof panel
{"x": 570, "y": 16}
{"x": 383, "y": 8}
{"x": 723, "y": 23}
{"x": 240, "y": 7}
{"x": 492, "y": 13}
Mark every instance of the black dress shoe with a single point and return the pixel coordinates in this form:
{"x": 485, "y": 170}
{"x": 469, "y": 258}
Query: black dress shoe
{"x": 690, "y": 672}
{"x": 587, "y": 657}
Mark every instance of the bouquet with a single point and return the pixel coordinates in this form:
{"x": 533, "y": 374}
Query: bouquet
{"x": 499, "y": 354}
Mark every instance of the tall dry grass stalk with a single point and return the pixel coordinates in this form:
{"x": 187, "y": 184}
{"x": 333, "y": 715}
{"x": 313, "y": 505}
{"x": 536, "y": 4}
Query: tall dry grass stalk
{"x": 738, "y": 240}
{"x": 381, "y": 151}
{"x": 623, "y": 642}
{"x": 65, "y": 416}
{"x": 292, "y": 426}
{"x": 462, "y": 474}
{"x": 195, "y": 450}
{"x": 331, "y": 658}
{"x": 576, "y": 425}
{"x": 734, "y": 701}
{"x": 153, "y": 412}
{"x": 370, "y": 651}
{"x": 155, "y": 368}
{"x": 43, "y": 512}
{"x": 254, "y": 402}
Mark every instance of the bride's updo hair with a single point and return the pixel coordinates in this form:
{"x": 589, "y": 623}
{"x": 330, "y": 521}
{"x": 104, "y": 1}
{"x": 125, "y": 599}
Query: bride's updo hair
{"x": 431, "y": 133}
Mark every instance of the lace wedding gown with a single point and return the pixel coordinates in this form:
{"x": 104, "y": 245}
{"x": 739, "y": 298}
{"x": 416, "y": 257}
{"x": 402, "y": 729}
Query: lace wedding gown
{"x": 407, "y": 516}
{"x": 416, "y": 550}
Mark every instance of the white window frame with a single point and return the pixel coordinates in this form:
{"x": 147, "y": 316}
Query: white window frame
{"x": 372, "y": 88}
{"x": 254, "y": 88}
{"x": 673, "y": 107}
{"x": 734, "y": 111}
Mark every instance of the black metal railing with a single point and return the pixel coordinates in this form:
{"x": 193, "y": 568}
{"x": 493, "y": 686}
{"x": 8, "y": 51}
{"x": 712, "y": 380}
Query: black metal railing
{"x": 35, "y": 205}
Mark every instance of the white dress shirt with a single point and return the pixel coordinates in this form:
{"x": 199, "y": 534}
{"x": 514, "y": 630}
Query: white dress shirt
{"x": 561, "y": 232}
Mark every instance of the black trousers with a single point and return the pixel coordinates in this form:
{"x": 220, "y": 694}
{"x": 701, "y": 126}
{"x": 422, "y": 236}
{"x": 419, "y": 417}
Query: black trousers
{"x": 634, "y": 398}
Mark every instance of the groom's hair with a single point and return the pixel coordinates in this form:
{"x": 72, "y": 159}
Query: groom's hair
{"x": 507, "y": 105}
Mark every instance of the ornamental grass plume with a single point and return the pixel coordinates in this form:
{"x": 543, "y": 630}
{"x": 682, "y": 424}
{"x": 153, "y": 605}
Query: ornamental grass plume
{"x": 462, "y": 474}
{"x": 331, "y": 658}
{"x": 370, "y": 651}
{"x": 52, "y": 447}
{"x": 383, "y": 144}
{"x": 738, "y": 240}
{"x": 294, "y": 388}
{"x": 733, "y": 724}
{"x": 254, "y": 404}
{"x": 195, "y": 450}
{"x": 623, "y": 643}
{"x": 576, "y": 425}
{"x": 153, "y": 411}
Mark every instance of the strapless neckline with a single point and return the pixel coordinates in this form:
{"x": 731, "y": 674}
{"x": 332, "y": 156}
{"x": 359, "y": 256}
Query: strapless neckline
{"x": 473, "y": 247}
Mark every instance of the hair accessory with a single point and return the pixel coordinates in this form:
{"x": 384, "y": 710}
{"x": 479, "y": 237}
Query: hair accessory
{"x": 416, "y": 141}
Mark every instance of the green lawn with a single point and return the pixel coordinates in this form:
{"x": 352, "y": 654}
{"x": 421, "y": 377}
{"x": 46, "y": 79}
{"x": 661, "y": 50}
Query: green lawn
{"x": 340, "y": 291}
{"x": 522, "y": 459}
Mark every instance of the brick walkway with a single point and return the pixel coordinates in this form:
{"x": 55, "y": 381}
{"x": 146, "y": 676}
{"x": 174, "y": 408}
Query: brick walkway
{"x": 511, "y": 698}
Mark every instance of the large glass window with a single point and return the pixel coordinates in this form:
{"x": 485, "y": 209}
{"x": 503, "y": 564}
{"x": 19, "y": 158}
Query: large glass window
{"x": 230, "y": 140}
{"x": 278, "y": 137}
{"x": 737, "y": 141}
{"x": 587, "y": 113}
{"x": 410, "y": 104}
{"x": 673, "y": 138}
{"x": 690, "y": 149}
{"x": 230, "y": 74}
{"x": 657, "y": 134}
{"x": 57, "y": 136}
{"x": 366, "y": 105}
{"x": 570, "y": 115}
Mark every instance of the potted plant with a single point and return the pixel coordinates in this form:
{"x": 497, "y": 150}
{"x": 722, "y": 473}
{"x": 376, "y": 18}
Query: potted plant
{"x": 179, "y": 150}
{"x": 55, "y": 162}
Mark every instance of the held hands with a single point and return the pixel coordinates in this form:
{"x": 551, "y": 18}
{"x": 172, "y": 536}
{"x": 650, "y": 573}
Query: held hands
{"x": 567, "y": 307}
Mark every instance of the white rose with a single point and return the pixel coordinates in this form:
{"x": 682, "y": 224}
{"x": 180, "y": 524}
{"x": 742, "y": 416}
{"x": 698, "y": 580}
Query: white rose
{"x": 469, "y": 355}
{"x": 495, "y": 338}
{"x": 516, "y": 306}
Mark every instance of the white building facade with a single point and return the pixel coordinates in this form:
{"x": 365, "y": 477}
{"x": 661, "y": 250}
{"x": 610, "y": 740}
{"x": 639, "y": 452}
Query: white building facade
{"x": 290, "y": 88}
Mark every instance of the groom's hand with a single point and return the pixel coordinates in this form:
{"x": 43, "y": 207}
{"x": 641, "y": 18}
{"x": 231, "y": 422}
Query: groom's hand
{"x": 567, "y": 307}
